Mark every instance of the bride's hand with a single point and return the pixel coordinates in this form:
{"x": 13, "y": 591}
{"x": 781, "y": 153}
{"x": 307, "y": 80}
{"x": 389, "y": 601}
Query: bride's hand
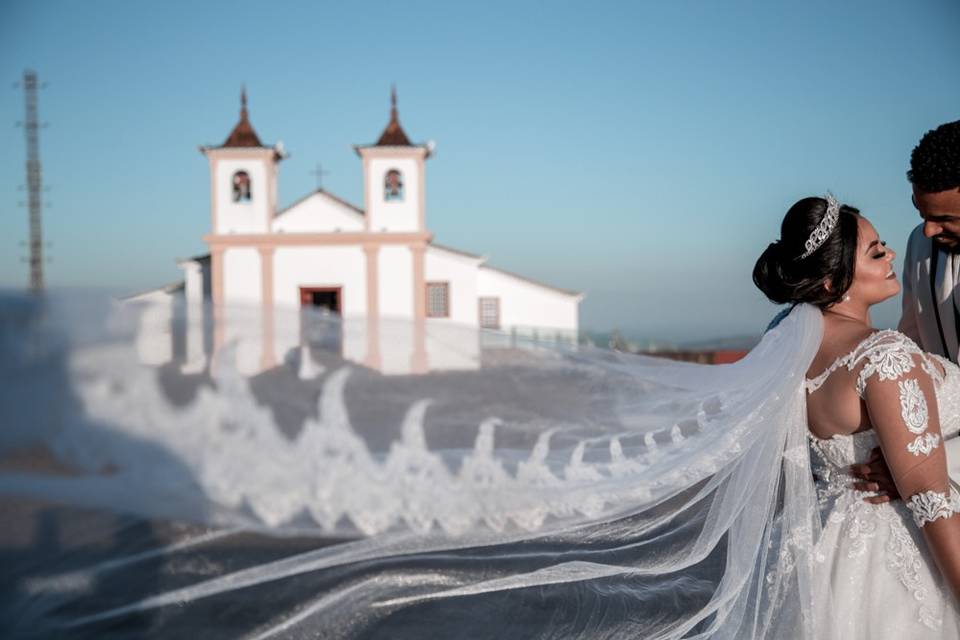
{"x": 874, "y": 475}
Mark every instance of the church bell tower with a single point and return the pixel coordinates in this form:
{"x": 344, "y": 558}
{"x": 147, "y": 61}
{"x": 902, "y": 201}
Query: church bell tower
{"x": 243, "y": 180}
{"x": 393, "y": 179}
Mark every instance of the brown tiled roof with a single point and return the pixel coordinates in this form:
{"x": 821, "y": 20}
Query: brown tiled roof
{"x": 243, "y": 134}
{"x": 393, "y": 135}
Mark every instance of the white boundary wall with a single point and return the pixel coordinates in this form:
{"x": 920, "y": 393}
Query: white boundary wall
{"x": 525, "y": 306}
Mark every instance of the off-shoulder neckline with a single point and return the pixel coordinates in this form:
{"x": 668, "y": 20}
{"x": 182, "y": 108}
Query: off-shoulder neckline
{"x": 839, "y": 359}
{"x": 812, "y": 384}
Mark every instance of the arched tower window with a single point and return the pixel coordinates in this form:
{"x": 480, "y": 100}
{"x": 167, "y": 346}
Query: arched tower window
{"x": 393, "y": 186}
{"x": 241, "y": 187}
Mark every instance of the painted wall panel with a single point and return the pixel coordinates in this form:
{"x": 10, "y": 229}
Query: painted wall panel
{"x": 241, "y": 276}
{"x": 461, "y": 272}
{"x": 396, "y": 282}
{"x": 318, "y": 214}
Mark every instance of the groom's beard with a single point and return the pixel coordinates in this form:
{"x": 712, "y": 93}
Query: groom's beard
{"x": 947, "y": 243}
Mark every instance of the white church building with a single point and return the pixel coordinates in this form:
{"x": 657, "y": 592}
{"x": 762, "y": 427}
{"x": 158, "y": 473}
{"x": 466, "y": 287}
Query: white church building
{"x": 378, "y": 261}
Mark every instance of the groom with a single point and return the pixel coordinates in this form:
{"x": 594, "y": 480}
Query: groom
{"x": 931, "y": 266}
{"x": 931, "y": 276}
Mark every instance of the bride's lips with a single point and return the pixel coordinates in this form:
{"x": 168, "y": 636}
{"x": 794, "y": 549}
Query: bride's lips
{"x": 892, "y": 274}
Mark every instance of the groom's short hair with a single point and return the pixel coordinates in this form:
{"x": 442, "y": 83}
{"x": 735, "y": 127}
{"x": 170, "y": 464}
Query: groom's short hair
{"x": 935, "y": 161}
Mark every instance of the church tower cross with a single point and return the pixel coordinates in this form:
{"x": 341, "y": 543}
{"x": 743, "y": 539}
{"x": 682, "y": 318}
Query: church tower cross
{"x": 319, "y": 173}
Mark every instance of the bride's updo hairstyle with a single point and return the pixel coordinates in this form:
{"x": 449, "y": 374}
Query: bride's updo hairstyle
{"x": 786, "y": 277}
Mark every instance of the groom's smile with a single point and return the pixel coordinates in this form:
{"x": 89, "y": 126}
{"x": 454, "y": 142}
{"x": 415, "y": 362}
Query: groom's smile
{"x": 941, "y": 217}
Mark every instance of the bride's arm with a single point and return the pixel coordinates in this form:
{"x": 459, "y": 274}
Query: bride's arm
{"x": 903, "y": 411}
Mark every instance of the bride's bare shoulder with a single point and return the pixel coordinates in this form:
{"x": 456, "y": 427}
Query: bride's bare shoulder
{"x": 839, "y": 339}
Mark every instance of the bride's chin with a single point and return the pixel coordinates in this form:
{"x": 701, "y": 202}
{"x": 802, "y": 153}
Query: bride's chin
{"x": 890, "y": 291}
{"x": 894, "y": 290}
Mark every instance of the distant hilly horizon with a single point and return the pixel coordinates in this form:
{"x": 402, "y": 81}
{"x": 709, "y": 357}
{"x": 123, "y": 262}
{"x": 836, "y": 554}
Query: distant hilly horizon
{"x": 640, "y": 341}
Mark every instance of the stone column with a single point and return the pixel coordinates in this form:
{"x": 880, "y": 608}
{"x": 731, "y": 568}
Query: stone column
{"x": 216, "y": 294}
{"x": 268, "y": 359}
{"x": 418, "y": 359}
{"x": 374, "y": 358}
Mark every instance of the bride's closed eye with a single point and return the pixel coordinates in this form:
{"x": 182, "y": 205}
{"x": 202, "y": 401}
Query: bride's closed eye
{"x": 882, "y": 254}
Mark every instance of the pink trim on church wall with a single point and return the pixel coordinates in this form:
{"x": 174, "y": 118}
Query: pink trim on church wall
{"x": 271, "y": 195}
{"x": 216, "y": 292}
{"x": 393, "y": 152}
{"x": 213, "y": 191}
{"x": 371, "y": 251}
{"x": 238, "y": 153}
{"x": 419, "y": 282}
{"x": 373, "y": 358}
{"x": 366, "y": 191}
{"x": 305, "y": 239}
{"x": 422, "y": 196}
{"x": 216, "y": 274}
{"x": 267, "y": 357}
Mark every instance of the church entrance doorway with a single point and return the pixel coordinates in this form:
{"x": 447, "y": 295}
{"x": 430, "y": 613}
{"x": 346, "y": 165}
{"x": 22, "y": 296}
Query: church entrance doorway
{"x": 320, "y": 331}
{"x": 325, "y": 298}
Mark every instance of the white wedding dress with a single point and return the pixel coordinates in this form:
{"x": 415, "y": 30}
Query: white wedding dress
{"x": 872, "y": 560}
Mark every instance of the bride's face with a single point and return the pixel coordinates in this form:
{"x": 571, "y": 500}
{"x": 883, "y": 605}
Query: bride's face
{"x": 874, "y": 278}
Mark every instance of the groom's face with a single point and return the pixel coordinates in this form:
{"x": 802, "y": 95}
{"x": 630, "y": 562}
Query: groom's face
{"x": 941, "y": 217}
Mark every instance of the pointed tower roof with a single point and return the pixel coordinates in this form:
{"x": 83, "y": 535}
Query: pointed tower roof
{"x": 393, "y": 135}
{"x": 243, "y": 134}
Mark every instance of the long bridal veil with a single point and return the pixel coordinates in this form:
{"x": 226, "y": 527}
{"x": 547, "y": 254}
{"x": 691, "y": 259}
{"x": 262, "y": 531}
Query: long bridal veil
{"x": 306, "y": 476}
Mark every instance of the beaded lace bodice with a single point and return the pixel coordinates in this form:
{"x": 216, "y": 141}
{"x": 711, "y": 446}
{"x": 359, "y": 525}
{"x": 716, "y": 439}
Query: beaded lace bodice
{"x": 831, "y": 457}
{"x": 888, "y": 355}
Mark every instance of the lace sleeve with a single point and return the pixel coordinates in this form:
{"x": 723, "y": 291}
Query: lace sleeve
{"x": 898, "y": 383}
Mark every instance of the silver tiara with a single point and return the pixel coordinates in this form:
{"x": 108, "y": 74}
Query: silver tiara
{"x": 823, "y": 230}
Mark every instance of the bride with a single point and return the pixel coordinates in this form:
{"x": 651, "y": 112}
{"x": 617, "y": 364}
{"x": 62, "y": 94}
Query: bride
{"x": 890, "y": 570}
{"x": 551, "y": 493}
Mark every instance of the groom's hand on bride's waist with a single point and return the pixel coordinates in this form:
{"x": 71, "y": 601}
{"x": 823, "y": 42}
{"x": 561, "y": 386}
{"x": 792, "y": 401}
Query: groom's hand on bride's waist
{"x": 874, "y": 476}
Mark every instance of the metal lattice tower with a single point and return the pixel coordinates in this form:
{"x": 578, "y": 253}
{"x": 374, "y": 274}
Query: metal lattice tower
{"x": 31, "y": 127}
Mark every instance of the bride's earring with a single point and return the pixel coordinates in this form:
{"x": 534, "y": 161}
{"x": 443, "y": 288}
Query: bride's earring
{"x": 846, "y": 297}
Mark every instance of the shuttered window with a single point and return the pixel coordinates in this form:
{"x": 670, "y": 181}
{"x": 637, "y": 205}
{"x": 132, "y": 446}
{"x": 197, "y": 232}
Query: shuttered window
{"x": 490, "y": 313}
{"x": 438, "y": 300}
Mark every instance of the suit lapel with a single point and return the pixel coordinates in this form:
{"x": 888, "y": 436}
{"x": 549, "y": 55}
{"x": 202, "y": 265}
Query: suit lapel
{"x": 931, "y": 294}
{"x": 943, "y": 303}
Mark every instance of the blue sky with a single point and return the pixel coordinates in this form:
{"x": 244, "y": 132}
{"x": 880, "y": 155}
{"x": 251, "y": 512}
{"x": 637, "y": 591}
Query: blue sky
{"x": 642, "y": 152}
